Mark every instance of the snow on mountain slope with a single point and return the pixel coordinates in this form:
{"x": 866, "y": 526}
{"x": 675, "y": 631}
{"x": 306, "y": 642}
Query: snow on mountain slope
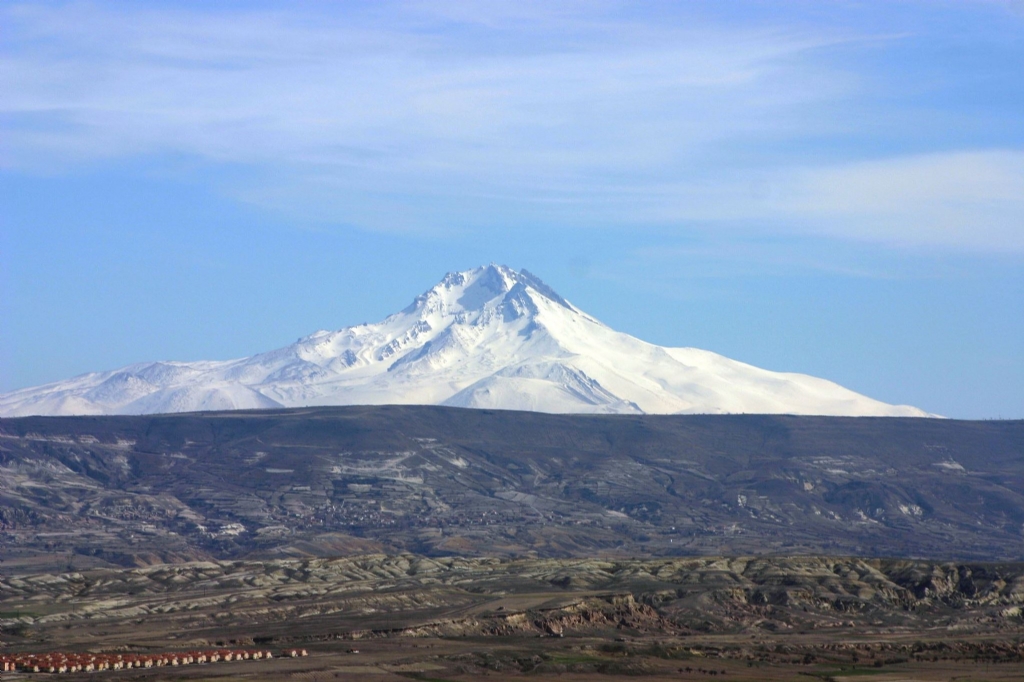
{"x": 487, "y": 338}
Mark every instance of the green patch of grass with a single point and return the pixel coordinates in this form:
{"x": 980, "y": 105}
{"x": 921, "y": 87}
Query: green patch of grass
{"x": 574, "y": 659}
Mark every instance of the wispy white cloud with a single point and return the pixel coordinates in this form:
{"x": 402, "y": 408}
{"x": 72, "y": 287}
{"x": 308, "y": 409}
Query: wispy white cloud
{"x": 956, "y": 199}
{"x": 430, "y": 115}
{"x": 405, "y": 94}
{"x": 960, "y": 199}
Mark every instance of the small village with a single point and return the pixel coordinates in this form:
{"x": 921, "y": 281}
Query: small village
{"x": 71, "y": 662}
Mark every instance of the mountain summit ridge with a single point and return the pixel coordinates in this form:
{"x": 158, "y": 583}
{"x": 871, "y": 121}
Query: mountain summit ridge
{"x": 490, "y": 337}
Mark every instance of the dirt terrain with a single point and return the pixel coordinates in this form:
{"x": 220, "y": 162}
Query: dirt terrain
{"x": 84, "y": 492}
{"x": 442, "y": 544}
{"x": 389, "y": 617}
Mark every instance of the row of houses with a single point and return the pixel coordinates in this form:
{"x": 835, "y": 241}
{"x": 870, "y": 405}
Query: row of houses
{"x": 69, "y": 662}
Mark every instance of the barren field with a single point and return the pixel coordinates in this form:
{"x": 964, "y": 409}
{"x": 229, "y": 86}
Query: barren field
{"x": 400, "y": 617}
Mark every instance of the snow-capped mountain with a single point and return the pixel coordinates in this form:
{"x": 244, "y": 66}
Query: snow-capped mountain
{"x": 489, "y": 338}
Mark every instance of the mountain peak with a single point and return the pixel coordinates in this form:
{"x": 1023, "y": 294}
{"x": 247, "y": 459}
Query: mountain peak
{"x": 475, "y": 289}
{"x": 488, "y": 337}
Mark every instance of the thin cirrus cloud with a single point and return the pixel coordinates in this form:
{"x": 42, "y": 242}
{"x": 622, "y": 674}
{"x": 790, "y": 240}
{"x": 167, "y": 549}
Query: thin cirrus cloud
{"x": 952, "y": 199}
{"x": 418, "y": 116}
{"x": 964, "y": 199}
{"x": 204, "y": 83}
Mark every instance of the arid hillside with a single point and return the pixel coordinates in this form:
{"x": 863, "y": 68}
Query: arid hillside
{"x": 383, "y": 617}
{"x": 80, "y": 492}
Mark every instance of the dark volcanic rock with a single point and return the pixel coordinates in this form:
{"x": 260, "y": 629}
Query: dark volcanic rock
{"x": 442, "y": 481}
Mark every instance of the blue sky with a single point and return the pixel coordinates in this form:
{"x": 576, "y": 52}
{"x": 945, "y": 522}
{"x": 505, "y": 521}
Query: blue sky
{"x": 834, "y": 188}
